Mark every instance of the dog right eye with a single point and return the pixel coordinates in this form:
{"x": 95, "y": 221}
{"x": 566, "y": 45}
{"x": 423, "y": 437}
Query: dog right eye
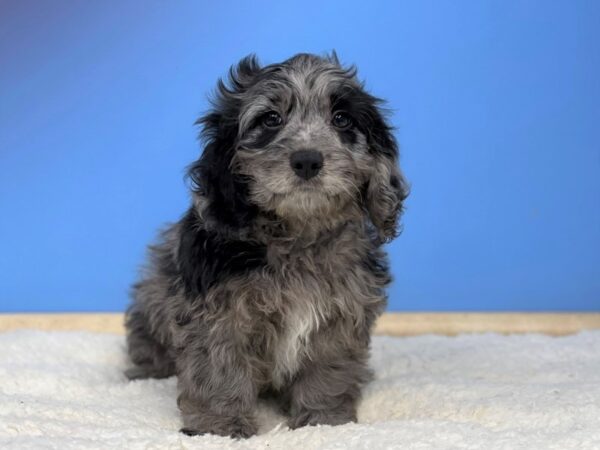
{"x": 272, "y": 119}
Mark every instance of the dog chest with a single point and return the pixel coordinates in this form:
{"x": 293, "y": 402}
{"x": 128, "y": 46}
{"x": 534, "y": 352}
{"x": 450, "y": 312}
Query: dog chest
{"x": 293, "y": 343}
{"x": 310, "y": 293}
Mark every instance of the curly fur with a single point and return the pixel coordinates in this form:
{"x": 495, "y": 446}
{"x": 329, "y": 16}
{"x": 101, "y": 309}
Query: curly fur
{"x": 270, "y": 283}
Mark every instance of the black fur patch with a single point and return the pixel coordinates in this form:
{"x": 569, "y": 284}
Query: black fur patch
{"x": 206, "y": 257}
{"x": 264, "y": 138}
{"x": 366, "y": 112}
{"x": 376, "y": 263}
{"x": 348, "y": 136}
{"x": 211, "y": 175}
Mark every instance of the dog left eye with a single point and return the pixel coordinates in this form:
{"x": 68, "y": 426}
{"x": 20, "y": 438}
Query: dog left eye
{"x": 272, "y": 120}
{"x": 341, "y": 120}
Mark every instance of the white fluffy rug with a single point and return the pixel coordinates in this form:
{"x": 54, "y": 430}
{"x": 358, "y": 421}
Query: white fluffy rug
{"x": 67, "y": 391}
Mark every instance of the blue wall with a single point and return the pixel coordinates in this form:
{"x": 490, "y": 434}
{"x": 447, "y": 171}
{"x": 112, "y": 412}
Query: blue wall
{"x": 497, "y": 106}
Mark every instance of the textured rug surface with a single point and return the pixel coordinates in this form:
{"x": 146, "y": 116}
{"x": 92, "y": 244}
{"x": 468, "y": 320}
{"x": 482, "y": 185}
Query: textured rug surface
{"x": 66, "y": 391}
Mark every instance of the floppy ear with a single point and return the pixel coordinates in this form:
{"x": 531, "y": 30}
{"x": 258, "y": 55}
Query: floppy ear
{"x": 212, "y": 178}
{"x": 386, "y": 189}
{"x": 211, "y": 175}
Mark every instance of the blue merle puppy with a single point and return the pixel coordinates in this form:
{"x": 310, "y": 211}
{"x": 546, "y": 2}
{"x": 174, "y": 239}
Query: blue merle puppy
{"x": 272, "y": 280}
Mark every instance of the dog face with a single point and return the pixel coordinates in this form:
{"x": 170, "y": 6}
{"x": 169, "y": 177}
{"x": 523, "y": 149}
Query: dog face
{"x": 301, "y": 139}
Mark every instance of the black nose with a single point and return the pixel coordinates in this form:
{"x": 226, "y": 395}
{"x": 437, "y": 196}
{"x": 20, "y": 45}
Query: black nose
{"x": 306, "y": 163}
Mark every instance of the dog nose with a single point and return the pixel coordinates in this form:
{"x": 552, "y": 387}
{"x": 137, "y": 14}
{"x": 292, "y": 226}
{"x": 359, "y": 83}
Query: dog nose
{"x": 306, "y": 163}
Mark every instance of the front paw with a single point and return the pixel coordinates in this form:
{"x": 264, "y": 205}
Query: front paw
{"x": 321, "y": 417}
{"x": 236, "y": 427}
{"x": 147, "y": 371}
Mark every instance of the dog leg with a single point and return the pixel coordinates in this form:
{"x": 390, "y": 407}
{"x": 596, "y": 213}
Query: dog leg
{"x": 151, "y": 359}
{"x": 217, "y": 393}
{"x": 327, "y": 391}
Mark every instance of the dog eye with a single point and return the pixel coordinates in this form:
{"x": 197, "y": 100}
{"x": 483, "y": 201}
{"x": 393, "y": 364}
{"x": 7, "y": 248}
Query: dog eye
{"x": 341, "y": 120}
{"x": 272, "y": 120}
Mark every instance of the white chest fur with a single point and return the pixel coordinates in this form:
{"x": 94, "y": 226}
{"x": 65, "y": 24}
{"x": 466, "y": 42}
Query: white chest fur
{"x": 312, "y": 285}
{"x": 293, "y": 345}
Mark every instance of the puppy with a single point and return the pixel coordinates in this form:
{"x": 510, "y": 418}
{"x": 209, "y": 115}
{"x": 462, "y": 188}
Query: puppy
{"x": 271, "y": 281}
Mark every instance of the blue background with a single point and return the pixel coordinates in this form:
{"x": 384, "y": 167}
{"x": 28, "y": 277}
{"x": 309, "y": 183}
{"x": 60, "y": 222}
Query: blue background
{"x": 496, "y": 102}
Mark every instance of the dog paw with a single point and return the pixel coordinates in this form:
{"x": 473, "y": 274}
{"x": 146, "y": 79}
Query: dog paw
{"x": 190, "y": 432}
{"x": 138, "y": 373}
{"x": 145, "y": 372}
{"x": 234, "y": 427}
{"x": 320, "y": 417}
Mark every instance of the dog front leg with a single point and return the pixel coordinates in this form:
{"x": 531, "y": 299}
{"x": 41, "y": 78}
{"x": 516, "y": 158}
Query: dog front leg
{"x": 217, "y": 393}
{"x": 327, "y": 391}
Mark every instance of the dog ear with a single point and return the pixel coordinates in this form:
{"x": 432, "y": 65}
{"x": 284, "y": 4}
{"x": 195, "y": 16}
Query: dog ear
{"x": 226, "y": 192}
{"x": 386, "y": 192}
{"x": 211, "y": 175}
{"x": 386, "y": 188}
